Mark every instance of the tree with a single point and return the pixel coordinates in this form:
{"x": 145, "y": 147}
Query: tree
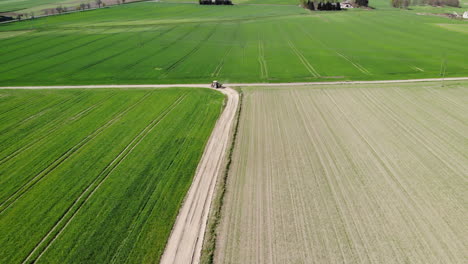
{"x": 59, "y": 9}
{"x": 99, "y": 3}
{"x": 362, "y": 2}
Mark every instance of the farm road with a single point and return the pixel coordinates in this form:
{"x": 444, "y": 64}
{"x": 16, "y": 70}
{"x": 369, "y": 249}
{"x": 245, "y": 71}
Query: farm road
{"x": 230, "y": 84}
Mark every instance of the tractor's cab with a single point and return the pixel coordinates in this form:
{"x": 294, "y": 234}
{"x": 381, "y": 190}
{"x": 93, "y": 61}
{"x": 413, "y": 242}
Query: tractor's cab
{"x": 216, "y": 84}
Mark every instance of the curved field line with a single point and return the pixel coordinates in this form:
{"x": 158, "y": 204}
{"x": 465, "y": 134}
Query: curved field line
{"x": 98, "y": 181}
{"x": 55, "y": 128}
{"x": 55, "y": 44}
{"x": 133, "y": 64}
{"x": 56, "y": 163}
{"x": 218, "y": 68}
{"x": 190, "y": 53}
{"x": 57, "y": 54}
{"x": 111, "y": 56}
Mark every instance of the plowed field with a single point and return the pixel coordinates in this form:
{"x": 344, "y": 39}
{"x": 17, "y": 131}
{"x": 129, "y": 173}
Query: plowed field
{"x": 349, "y": 174}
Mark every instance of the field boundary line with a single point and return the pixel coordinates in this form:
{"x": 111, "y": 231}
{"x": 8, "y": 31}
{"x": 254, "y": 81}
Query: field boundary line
{"x": 187, "y": 236}
{"x": 57, "y": 162}
{"x": 99, "y": 180}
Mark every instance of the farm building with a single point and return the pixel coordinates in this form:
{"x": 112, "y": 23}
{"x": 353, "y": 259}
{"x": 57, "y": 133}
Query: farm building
{"x": 346, "y": 4}
{"x": 215, "y": 2}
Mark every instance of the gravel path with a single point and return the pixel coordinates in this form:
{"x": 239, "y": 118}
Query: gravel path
{"x": 229, "y": 84}
{"x": 185, "y": 242}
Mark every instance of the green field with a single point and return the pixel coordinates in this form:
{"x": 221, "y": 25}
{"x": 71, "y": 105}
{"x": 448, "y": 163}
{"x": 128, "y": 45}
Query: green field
{"x": 185, "y": 43}
{"x": 97, "y": 176}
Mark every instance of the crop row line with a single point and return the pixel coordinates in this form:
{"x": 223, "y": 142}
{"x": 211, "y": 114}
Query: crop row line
{"x": 65, "y": 156}
{"x": 55, "y": 127}
{"x": 398, "y": 187}
{"x": 218, "y": 68}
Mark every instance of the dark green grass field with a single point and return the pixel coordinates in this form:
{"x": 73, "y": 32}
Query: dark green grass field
{"x": 185, "y": 43}
{"x": 97, "y": 176}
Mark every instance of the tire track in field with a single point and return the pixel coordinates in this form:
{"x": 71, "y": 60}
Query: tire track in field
{"x": 262, "y": 61}
{"x": 65, "y": 156}
{"x": 174, "y": 65}
{"x": 73, "y": 210}
{"x": 27, "y": 41}
{"x": 39, "y": 113}
{"x": 324, "y": 46}
{"x": 55, "y": 128}
{"x": 304, "y": 60}
{"x": 133, "y": 64}
{"x": 355, "y": 64}
{"x": 139, "y": 213}
{"x": 88, "y": 66}
{"x": 220, "y": 66}
{"x": 57, "y": 54}
{"x": 55, "y": 45}
{"x": 96, "y": 50}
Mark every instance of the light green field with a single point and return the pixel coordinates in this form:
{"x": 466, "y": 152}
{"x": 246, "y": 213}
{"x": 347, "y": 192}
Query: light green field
{"x": 184, "y": 43}
{"x": 372, "y": 173}
{"x": 97, "y": 176}
{"x": 15, "y": 5}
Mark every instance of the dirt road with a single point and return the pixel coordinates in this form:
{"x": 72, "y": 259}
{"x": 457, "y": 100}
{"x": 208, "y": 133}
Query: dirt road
{"x": 185, "y": 242}
{"x": 230, "y": 84}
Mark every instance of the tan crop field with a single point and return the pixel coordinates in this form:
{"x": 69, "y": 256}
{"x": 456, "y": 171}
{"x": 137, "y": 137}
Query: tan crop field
{"x": 349, "y": 174}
